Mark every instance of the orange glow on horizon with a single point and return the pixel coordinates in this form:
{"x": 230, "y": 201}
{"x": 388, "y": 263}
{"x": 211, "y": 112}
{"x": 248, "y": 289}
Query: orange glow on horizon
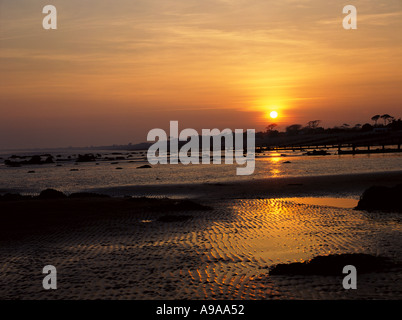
{"x": 202, "y": 69}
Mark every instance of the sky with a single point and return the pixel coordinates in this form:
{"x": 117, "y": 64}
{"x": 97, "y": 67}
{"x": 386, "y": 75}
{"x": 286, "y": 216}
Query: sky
{"x": 113, "y": 70}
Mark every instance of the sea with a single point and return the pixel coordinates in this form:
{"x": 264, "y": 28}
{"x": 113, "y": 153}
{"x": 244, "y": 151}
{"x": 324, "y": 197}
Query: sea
{"x": 120, "y": 168}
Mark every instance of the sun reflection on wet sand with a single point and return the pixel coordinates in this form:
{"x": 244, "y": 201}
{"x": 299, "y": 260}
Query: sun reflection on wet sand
{"x": 224, "y": 253}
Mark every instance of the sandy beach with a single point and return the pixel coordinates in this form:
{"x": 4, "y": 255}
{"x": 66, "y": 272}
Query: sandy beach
{"x": 348, "y": 185}
{"x": 132, "y": 251}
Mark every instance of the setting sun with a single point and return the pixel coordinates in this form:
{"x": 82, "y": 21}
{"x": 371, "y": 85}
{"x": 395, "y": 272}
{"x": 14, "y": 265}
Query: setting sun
{"x": 273, "y": 114}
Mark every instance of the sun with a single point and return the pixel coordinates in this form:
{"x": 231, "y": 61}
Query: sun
{"x": 273, "y": 114}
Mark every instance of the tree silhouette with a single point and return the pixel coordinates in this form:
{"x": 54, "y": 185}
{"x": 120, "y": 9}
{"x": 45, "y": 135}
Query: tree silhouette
{"x": 375, "y": 119}
{"x": 313, "y": 124}
{"x": 271, "y": 127}
{"x": 386, "y": 118}
{"x": 293, "y": 129}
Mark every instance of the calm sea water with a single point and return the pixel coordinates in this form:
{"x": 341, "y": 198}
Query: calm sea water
{"x": 104, "y": 174}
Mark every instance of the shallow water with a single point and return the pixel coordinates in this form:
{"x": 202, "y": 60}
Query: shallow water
{"x": 346, "y": 203}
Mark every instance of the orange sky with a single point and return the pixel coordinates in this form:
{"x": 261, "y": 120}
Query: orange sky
{"x": 113, "y": 70}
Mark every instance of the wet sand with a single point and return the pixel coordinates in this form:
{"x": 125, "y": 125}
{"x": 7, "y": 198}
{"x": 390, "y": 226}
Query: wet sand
{"x": 224, "y": 253}
{"x": 319, "y": 186}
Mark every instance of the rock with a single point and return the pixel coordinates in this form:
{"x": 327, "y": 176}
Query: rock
{"x": 73, "y": 169}
{"x": 287, "y": 162}
{"x": 35, "y": 160}
{"x": 12, "y": 163}
{"x": 51, "y": 194}
{"x": 381, "y": 198}
{"x": 86, "y": 157}
{"x": 31, "y": 171}
{"x": 119, "y": 168}
{"x": 333, "y": 265}
{"x": 146, "y": 166}
{"x": 49, "y": 159}
{"x": 317, "y": 153}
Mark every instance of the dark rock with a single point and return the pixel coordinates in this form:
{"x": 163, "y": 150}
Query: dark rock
{"x": 286, "y": 162}
{"x": 381, "y": 198}
{"x": 86, "y": 157}
{"x": 31, "y": 171}
{"x": 317, "y": 153}
{"x": 145, "y": 166}
{"x": 49, "y": 160}
{"x": 12, "y": 163}
{"x": 333, "y": 265}
{"x": 51, "y": 194}
{"x": 35, "y": 160}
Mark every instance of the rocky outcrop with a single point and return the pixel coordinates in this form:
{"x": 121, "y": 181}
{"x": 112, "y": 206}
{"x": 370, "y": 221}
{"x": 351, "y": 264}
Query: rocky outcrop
{"x": 381, "y": 198}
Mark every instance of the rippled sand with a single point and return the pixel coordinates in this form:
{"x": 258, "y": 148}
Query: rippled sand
{"x": 219, "y": 254}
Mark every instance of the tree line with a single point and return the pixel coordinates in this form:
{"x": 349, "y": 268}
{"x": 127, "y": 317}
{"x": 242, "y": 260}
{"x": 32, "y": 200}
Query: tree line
{"x": 313, "y": 127}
